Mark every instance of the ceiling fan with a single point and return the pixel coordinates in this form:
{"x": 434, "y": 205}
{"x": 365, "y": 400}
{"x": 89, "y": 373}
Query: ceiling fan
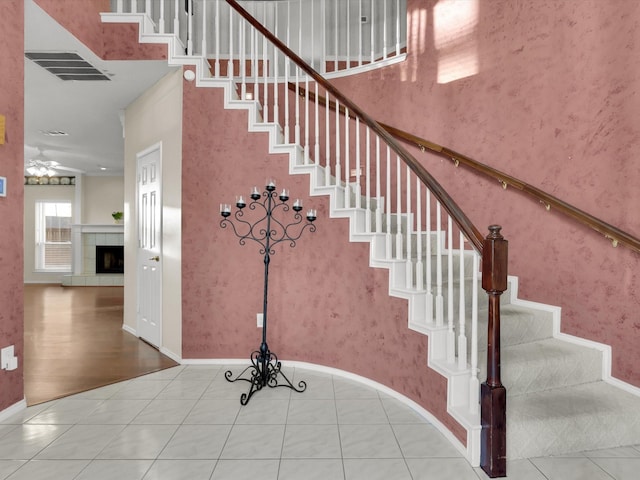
{"x": 40, "y": 166}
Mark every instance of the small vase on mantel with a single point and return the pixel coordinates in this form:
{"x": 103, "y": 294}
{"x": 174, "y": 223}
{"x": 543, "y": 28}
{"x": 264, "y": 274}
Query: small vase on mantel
{"x": 117, "y": 217}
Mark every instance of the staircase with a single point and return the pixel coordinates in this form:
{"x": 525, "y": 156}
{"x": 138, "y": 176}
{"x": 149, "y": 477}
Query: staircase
{"x": 561, "y": 397}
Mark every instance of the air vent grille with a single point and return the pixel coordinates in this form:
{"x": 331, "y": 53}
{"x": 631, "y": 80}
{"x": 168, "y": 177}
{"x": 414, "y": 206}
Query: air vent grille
{"x": 67, "y": 66}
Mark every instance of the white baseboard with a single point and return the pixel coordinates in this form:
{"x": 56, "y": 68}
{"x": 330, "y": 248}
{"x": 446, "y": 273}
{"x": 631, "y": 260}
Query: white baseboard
{"x": 13, "y": 409}
{"x": 173, "y": 356}
{"x": 128, "y": 329}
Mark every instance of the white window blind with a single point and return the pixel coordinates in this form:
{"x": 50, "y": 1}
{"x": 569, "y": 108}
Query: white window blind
{"x": 53, "y": 236}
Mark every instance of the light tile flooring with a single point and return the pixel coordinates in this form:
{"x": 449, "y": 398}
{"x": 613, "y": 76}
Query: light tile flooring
{"x": 186, "y": 423}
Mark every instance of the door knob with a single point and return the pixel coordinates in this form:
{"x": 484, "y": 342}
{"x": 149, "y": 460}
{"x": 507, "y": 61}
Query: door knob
{"x": 156, "y": 258}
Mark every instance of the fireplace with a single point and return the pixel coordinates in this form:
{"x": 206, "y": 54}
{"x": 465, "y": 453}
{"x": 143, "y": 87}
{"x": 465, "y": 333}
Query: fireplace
{"x": 109, "y": 259}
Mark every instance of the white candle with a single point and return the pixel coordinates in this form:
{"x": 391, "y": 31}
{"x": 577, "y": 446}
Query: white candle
{"x": 297, "y": 203}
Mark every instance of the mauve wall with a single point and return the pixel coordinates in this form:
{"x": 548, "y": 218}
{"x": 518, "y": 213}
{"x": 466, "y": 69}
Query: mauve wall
{"x": 108, "y": 41}
{"x": 555, "y": 103}
{"x": 326, "y": 305}
{"x": 11, "y": 206}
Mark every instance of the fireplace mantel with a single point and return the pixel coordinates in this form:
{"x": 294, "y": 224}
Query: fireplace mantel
{"x": 98, "y": 227}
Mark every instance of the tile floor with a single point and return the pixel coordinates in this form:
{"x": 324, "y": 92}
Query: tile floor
{"x": 186, "y": 423}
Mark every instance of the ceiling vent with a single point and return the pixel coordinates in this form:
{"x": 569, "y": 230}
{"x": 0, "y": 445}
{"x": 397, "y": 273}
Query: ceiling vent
{"x": 67, "y": 65}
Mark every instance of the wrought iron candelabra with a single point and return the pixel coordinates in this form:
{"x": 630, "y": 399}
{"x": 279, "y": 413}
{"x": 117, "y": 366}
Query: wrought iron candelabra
{"x": 265, "y": 369}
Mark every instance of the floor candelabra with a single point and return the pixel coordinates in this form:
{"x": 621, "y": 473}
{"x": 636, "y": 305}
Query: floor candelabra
{"x": 265, "y": 369}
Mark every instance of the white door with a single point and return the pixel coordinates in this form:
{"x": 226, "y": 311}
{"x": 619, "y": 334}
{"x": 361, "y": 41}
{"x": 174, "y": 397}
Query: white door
{"x": 149, "y": 226}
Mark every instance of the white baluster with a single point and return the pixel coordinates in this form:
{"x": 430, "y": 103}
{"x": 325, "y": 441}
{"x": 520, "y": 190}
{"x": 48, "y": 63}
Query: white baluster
{"x": 327, "y": 144}
{"x": 367, "y": 182}
{"x": 451, "y": 338}
{"x": 409, "y": 264}
{"x": 216, "y": 68}
{"x": 336, "y": 28}
{"x": 204, "y": 28}
{"x": 276, "y": 77}
{"x": 338, "y": 168}
{"x": 189, "y": 27}
{"x": 388, "y": 212}
{"x": 306, "y": 119}
{"x": 253, "y": 57}
{"x": 428, "y": 266}
{"x": 462, "y": 337}
{"x": 474, "y": 383}
{"x": 385, "y": 20}
{"x": 358, "y": 166}
{"x": 419, "y": 270}
{"x": 161, "y": 19}
{"x": 287, "y": 66}
{"x": 265, "y": 68}
{"x": 297, "y": 106}
{"x": 323, "y": 54}
{"x": 372, "y": 32}
{"x": 439, "y": 298}
{"x": 378, "y": 189}
{"x": 176, "y": 19}
{"x": 242, "y": 60}
{"x": 316, "y": 154}
{"x": 347, "y": 171}
{"x": 398, "y": 210}
{"x": 230, "y": 68}
{"x": 398, "y": 27}
{"x": 348, "y": 34}
{"x": 360, "y": 33}
{"x": 312, "y": 62}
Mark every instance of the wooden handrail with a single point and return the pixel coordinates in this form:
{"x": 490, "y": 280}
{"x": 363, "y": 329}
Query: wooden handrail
{"x": 612, "y": 233}
{"x": 468, "y": 228}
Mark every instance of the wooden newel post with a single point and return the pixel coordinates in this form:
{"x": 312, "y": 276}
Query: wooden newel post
{"x": 493, "y": 395}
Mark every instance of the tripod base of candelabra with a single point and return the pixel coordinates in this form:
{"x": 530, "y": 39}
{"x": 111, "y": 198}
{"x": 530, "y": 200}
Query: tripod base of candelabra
{"x": 265, "y": 371}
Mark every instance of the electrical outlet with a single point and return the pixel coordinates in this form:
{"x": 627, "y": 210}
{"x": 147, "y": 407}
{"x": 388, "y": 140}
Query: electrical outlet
{"x": 260, "y": 320}
{"x": 8, "y": 359}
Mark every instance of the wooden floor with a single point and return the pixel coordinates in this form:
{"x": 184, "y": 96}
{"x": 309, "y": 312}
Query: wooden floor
{"x": 74, "y": 342}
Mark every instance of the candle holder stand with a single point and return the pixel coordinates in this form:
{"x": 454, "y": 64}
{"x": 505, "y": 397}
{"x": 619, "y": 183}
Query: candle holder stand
{"x": 265, "y": 369}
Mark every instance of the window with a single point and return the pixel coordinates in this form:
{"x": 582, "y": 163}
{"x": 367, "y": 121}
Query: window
{"x": 53, "y": 236}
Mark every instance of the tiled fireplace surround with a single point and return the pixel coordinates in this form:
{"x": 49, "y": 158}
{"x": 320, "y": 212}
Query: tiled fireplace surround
{"x": 85, "y": 239}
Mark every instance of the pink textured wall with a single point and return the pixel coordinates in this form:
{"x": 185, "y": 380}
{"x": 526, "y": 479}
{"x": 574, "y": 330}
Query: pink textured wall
{"x": 554, "y": 103}
{"x": 11, "y": 206}
{"x": 108, "y": 41}
{"x": 326, "y": 305}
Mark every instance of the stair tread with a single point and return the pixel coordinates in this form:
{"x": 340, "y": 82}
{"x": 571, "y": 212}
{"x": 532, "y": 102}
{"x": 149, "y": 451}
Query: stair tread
{"x": 569, "y": 419}
{"x": 548, "y": 364}
{"x": 545, "y": 350}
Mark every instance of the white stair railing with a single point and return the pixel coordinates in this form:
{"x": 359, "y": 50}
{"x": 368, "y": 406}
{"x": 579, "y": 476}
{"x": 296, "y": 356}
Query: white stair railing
{"x": 350, "y": 157}
{"x": 335, "y": 37}
{"x": 378, "y": 194}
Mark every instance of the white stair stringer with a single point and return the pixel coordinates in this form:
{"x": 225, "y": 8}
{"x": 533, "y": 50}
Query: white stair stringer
{"x": 529, "y": 434}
